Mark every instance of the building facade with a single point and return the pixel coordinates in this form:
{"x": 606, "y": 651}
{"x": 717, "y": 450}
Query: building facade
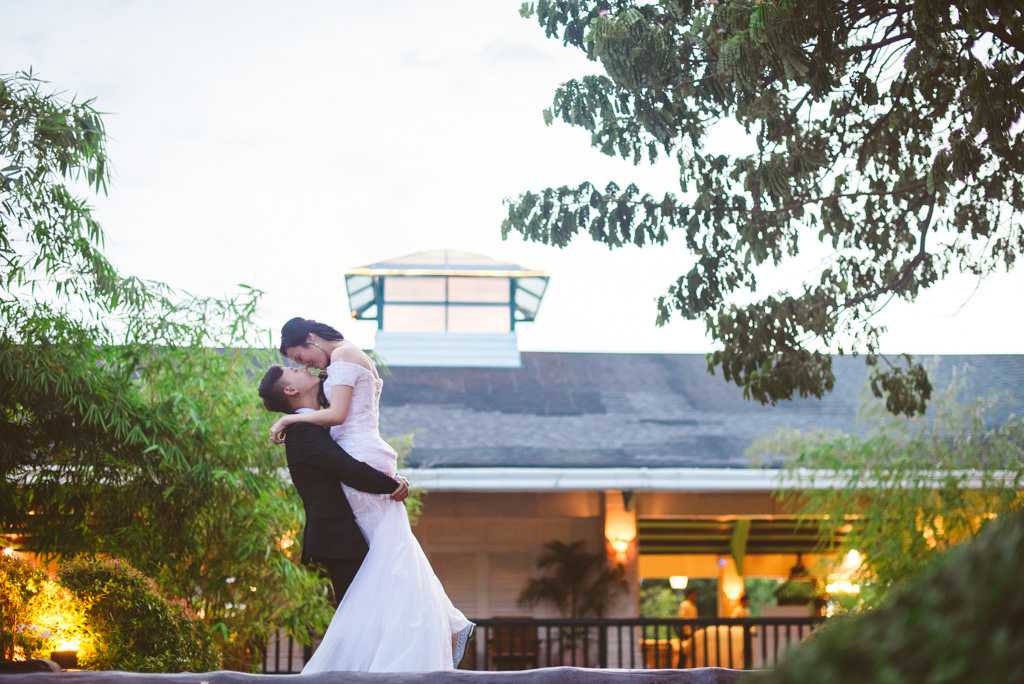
{"x": 646, "y": 456}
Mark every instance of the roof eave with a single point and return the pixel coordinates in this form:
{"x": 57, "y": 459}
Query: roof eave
{"x": 593, "y": 479}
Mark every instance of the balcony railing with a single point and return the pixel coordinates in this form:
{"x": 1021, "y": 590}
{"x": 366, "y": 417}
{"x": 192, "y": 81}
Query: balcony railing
{"x": 634, "y": 643}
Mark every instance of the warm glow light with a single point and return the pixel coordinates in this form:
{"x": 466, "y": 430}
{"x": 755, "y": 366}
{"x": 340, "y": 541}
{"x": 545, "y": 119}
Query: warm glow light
{"x": 619, "y": 524}
{"x": 732, "y": 587}
{"x": 620, "y": 546}
{"x": 252, "y": 588}
{"x": 850, "y": 565}
{"x": 8, "y": 551}
{"x": 286, "y": 542}
{"x": 842, "y": 587}
{"x": 678, "y": 582}
{"x": 842, "y": 581}
{"x": 618, "y": 529}
{"x": 933, "y": 532}
{"x": 66, "y": 645}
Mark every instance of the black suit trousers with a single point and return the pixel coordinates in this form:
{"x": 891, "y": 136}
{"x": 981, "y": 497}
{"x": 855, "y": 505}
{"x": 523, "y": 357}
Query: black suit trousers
{"x": 342, "y": 571}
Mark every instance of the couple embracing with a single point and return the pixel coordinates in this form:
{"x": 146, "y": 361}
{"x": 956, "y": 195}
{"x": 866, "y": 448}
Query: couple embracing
{"x": 393, "y": 614}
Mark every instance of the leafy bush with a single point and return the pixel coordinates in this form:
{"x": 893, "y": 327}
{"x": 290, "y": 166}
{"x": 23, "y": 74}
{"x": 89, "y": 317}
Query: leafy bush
{"x": 658, "y": 601}
{"x": 961, "y": 621}
{"x": 796, "y": 592}
{"x": 39, "y": 615}
{"x": 761, "y": 592}
{"x": 113, "y": 616}
{"x": 136, "y": 629}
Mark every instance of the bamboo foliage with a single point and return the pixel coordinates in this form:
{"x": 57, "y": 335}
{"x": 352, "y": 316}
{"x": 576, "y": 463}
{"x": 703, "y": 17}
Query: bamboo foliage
{"x": 907, "y": 489}
{"x": 129, "y": 421}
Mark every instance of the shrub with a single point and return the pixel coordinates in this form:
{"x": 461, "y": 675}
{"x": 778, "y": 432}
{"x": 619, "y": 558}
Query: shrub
{"x": 961, "y": 621}
{"x": 137, "y": 630}
{"x": 39, "y": 615}
{"x": 658, "y": 601}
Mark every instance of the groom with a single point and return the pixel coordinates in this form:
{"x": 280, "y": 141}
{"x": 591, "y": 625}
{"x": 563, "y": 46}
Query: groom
{"x": 318, "y": 466}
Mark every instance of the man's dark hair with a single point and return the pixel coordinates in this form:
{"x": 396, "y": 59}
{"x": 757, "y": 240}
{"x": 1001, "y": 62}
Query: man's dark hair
{"x": 295, "y": 332}
{"x": 272, "y": 391}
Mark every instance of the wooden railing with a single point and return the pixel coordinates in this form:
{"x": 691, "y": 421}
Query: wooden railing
{"x": 633, "y": 643}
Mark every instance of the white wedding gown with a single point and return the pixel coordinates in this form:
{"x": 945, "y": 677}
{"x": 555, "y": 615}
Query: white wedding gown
{"x": 395, "y": 616}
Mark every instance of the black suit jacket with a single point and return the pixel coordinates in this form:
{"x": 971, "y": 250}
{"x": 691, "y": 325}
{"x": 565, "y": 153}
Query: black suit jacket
{"x": 318, "y": 466}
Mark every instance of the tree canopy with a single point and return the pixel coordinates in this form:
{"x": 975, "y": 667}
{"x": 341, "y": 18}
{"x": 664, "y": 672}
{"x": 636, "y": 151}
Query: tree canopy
{"x": 887, "y": 132}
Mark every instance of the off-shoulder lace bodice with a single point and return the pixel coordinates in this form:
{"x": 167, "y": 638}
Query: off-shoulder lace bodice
{"x": 359, "y": 435}
{"x": 364, "y": 413}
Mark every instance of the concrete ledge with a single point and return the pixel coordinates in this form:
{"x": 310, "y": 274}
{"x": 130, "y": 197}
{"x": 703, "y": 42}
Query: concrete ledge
{"x": 26, "y": 666}
{"x": 551, "y": 675}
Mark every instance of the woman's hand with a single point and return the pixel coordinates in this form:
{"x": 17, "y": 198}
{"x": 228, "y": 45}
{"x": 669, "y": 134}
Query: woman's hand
{"x": 278, "y": 428}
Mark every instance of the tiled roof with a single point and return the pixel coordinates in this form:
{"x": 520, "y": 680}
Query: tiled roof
{"x": 566, "y": 410}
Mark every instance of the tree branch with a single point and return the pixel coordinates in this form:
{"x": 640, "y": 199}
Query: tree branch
{"x": 875, "y": 46}
{"x": 908, "y": 269}
{"x": 1003, "y": 35}
{"x": 792, "y": 114}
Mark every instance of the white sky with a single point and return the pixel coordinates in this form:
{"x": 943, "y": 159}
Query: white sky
{"x": 277, "y": 144}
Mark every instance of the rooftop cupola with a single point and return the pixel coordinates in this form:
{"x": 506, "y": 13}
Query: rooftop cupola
{"x": 445, "y": 307}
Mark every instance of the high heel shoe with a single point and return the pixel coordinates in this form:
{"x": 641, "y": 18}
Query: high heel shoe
{"x": 465, "y": 634}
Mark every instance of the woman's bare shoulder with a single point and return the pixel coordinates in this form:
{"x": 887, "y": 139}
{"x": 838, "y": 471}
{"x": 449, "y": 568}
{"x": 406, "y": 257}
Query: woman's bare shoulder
{"x": 351, "y": 353}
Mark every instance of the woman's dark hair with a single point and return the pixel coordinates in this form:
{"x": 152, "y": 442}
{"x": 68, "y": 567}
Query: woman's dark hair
{"x": 295, "y": 332}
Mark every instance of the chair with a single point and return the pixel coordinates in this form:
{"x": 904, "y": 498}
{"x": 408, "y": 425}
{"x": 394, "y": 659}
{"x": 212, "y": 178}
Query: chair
{"x": 513, "y": 647}
{"x": 713, "y": 646}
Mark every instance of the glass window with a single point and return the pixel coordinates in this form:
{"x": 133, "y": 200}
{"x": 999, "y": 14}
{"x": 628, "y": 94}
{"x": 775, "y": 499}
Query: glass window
{"x": 534, "y": 286}
{"x": 478, "y": 319}
{"x": 360, "y": 299}
{"x": 358, "y": 282}
{"x": 414, "y": 289}
{"x": 399, "y": 318}
{"x": 478, "y": 289}
{"x": 369, "y": 315}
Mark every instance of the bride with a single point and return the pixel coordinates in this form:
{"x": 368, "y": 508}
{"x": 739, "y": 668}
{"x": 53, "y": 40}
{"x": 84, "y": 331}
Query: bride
{"x": 395, "y": 616}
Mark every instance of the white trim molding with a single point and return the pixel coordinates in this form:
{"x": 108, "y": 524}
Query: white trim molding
{"x": 593, "y": 479}
{"x": 661, "y": 479}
